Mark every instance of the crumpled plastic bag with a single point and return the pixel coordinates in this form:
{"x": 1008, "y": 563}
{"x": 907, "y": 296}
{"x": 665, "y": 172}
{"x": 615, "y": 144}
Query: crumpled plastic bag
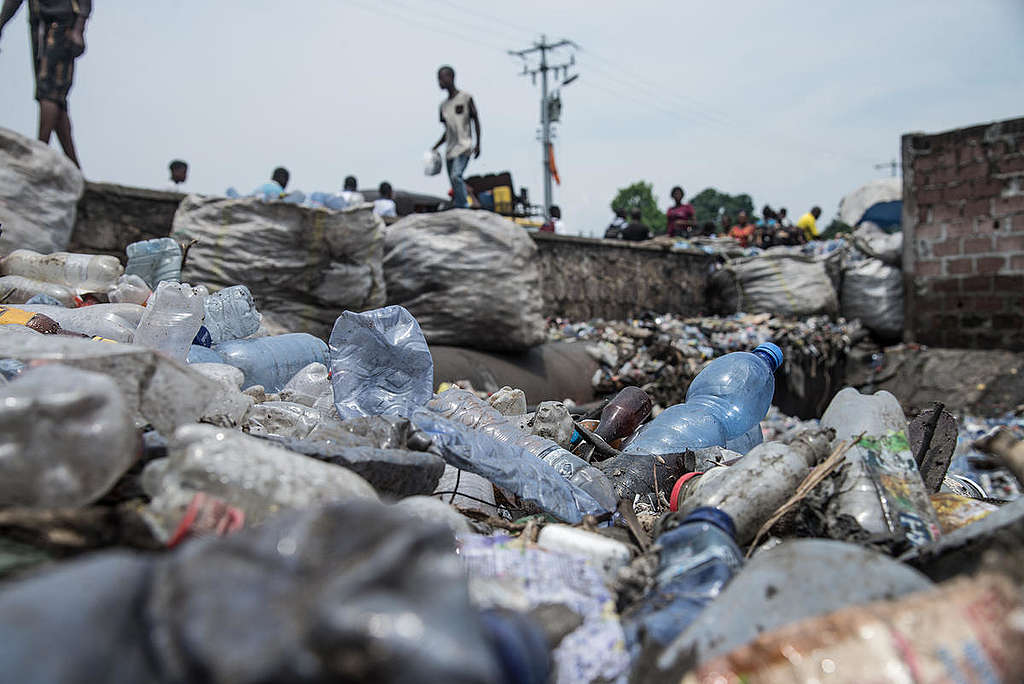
{"x": 380, "y": 364}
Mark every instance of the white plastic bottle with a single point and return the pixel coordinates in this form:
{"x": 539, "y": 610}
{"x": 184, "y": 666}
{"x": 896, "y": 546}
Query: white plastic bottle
{"x": 16, "y": 289}
{"x": 130, "y": 289}
{"x": 81, "y": 272}
{"x": 172, "y": 319}
{"x": 154, "y": 260}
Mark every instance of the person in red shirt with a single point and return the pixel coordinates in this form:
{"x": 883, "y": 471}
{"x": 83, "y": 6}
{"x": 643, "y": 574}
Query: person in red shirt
{"x": 682, "y": 219}
{"x": 743, "y": 231}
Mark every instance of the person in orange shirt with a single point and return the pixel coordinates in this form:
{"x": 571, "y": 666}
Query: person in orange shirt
{"x": 743, "y": 231}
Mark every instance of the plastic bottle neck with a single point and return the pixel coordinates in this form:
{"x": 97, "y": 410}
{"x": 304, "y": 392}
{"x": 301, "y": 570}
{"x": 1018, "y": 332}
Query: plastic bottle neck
{"x": 767, "y": 358}
{"x": 714, "y": 516}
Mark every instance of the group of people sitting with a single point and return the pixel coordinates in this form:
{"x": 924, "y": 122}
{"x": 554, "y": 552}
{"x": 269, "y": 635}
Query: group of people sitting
{"x": 772, "y": 229}
{"x": 274, "y": 189}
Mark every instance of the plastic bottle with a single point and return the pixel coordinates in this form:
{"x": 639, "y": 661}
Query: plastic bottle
{"x": 40, "y": 323}
{"x": 231, "y": 314}
{"x": 747, "y": 441}
{"x": 154, "y": 260}
{"x": 44, "y": 299}
{"x": 71, "y": 432}
{"x": 308, "y": 385}
{"x": 130, "y": 289}
{"x": 200, "y": 354}
{"x": 272, "y": 361}
{"x": 624, "y": 414}
{"x": 80, "y": 272}
{"x": 696, "y": 560}
{"x": 380, "y": 363}
{"x": 16, "y": 289}
{"x": 466, "y": 408}
{"x": 95, "y": 321}
{"x": 882, "y": 485}
{"x": 172, "y": 319}
{"x": 726, "y": 399}
{"x": 754, "y": 487}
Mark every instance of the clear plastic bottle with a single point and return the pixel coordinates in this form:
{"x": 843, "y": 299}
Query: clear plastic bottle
{"x": 308, "y": 385}
{"x": 231, "y": 314}
{"x": 16, "y": 289}
{"x": 95, "y": 321}
{"x": 882, "y": 485}
{"x": 273, "y": 361}
{"x": 172, "y": 319}
{"x": 726, "y": 399}
{"x": 154, "y": 260}
{"x": 130, "y": 289}
{"x": 80, "y": 272}
{"x": 696, "y": 560}
{"x": 466, "y": 408}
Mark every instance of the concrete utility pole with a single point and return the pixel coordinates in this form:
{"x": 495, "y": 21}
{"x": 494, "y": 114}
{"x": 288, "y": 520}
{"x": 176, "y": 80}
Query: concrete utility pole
{"x": 548, "y": 105}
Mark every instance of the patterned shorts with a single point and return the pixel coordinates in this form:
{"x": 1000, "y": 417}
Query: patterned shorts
{"x": 54, "y": 62}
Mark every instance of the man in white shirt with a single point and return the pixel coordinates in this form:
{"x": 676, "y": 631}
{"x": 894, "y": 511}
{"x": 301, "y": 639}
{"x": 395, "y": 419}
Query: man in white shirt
{"x": 458, "y": 114}
{"x": 384, "y": 206}
{"x": 350, "y": 194}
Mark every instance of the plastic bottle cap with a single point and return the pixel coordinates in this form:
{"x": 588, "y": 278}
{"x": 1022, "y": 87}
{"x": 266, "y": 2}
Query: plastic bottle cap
{"x": 773, "y": 351}
{"x": 673, "y": 501}
{"x": 713, "y": 516}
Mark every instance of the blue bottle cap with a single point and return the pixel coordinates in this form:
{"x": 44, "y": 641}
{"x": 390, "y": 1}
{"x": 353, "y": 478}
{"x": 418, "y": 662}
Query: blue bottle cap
{"x": 772, "y": 353}
{"x": 715, "y": 516}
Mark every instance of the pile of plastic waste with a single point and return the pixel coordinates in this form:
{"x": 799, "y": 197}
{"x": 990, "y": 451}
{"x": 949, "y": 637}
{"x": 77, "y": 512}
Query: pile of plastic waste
{"x": 663, "y": 353}
{"x": 184, "y": 498}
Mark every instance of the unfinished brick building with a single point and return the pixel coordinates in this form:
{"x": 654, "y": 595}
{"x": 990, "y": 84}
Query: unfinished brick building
{"x": 963, "y": 221}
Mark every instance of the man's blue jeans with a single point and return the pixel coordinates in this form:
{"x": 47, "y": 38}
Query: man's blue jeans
{"x": 457, "y": 167}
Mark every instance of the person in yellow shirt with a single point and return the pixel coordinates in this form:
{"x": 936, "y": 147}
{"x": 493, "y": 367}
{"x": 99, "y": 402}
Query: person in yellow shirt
{"x": 809, "y": 223}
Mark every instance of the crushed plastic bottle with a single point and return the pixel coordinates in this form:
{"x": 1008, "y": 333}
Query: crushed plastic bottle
{"x": 380, "y": 363}
{"x": 79, "y": 272}
{"x": 695, "y": 561}
{"x": 154, "y": 261}
{"x": 231, "y": 314}
{"x": 507, "y": 466}
{"x": 469, "y": 410}
{"x": 882, "y": 487}
{"x": 273, "y": 361}
{"x": 67, "y": 436}
{"x": 726, "y": 399}
{"x": 16, "y": 289}
{"x": 130, "y": 289}
{"x": 172, "y": 319}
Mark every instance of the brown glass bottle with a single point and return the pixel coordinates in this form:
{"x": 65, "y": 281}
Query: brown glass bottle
{"x": 624, "y": 414}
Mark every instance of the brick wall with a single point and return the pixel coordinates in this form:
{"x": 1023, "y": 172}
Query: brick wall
{"x": 963, "y": 219}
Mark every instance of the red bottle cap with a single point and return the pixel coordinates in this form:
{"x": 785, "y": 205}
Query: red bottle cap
{"x": 207, "y": 515}
{"x": 673, "y": 501}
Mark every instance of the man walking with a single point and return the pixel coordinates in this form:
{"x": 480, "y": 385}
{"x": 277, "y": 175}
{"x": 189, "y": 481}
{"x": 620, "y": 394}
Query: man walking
{"x": 457, "y": 112}
{"x": 57, "y": 34}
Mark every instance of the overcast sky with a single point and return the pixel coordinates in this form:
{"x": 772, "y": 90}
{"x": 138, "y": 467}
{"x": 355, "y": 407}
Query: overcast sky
{"x": 792, "y": 102}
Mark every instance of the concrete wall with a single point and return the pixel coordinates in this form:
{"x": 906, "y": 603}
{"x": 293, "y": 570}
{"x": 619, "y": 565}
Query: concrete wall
{"x": 583, "y": 278}
{"x": 963, "y": 221}
{"x": 112, "y": 216}
{"x": 586, "y": 278}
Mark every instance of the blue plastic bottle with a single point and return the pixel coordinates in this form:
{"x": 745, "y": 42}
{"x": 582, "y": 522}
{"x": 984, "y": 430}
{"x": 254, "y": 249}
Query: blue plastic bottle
{"x": 697, "y": 559}
{"x": 272, "y": 361}
{"x": 747, "y": 441}
{"x": 154, "y": 260}
{"x": 726, "y": 399}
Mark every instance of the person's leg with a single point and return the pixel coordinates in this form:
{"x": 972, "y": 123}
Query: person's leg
{"x": 458, "y": 167}
{"x": 49, "y": 115}
{"x": 64, "y": 135}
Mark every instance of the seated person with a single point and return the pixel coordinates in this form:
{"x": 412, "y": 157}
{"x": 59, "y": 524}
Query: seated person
{"x": 636, "y": 231}
{"x": 384, "y": 206}
{"x": 808, "y": 223}
{"x": 743, "y": 231}
{"x": 618, "y": 224}
{"x": 274, "y": 188}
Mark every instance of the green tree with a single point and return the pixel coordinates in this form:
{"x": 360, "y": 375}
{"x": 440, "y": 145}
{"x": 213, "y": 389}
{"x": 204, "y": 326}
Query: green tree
{"x": 641, "y": 194}
{"x": 709, "y": 201}
{"x": 834, "y": 229}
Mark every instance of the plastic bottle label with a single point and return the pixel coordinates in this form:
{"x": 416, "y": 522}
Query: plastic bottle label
{"x": 9, "y": 316}
{"x": 904, "y": 501}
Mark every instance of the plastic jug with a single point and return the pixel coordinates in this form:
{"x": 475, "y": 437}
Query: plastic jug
{"x": 726, "y": 399}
